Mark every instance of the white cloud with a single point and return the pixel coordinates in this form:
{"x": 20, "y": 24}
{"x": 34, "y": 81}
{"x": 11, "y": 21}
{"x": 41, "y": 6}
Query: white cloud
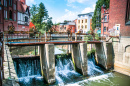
{"x": 88, "y": 9}
{"x": 68, "y": 16}
{"x": 80, "y": 1}
{"x": 30, "y": 2}
{"x": 71, "y": 5}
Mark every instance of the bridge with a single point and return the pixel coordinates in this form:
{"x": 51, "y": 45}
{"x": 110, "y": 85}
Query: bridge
{"x": 104, "y": 50}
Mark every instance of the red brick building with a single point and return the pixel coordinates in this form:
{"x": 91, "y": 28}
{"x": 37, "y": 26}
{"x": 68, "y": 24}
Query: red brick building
{"x": 119, "y": 18}
{"x": 104, "y": 20}
{"x": 63, "y": 27}
{"x": 16, "y": 13}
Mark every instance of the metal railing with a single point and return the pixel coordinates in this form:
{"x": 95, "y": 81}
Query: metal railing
{"x": 22, "y": 36}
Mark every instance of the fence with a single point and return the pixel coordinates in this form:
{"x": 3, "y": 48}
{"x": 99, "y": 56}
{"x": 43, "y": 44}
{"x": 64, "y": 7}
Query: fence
{"x": 22, "y": 36}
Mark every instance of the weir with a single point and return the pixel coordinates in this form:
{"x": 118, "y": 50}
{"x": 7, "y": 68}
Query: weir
{"x": 104, "y": 54}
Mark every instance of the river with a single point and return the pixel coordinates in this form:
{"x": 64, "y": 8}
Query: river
{"x": 29, "y": 73}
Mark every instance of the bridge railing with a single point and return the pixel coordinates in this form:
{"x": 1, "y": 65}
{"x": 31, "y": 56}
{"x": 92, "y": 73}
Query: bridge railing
{"x": 58, "y": 36}
{"x": 22, "y": 36}
{"x": 64, "y": 36}
{"x": 26, "y": 36}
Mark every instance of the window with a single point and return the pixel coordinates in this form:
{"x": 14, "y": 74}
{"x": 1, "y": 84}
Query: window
{"x": 128, "y": 13}
{"x": 10, "y": 2}
{"x": 5, "y": 14}
{"x": 104, "y": 29}
{"x": 15, "y": 16}
{"x": 26, "y": 19}
{"x": 85, "y": 26}
{"x": 85, "y": 20}
{"x": 82, "y": 26}
{"x": 105, "y": 19}
{"x": 0, "y": 1}
{"x": 78, "y": 27}
{"x": 79, "y": 21}
{"x": 5, "y": 3}
{"x": 10, "y": 15}
{"x": 82, "y": 21}
{"x": 14, "y": 6}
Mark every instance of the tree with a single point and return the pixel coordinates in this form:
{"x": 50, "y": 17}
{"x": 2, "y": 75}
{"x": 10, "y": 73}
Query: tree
{"x": 97, "y": 12}
{"x": 49, "y": 23}
{"x": 33, "y": 12}
{"x": 39, "y": 15}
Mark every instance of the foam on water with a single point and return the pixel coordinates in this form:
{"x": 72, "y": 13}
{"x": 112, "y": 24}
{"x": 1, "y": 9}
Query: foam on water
{"x": 96, "y": 78}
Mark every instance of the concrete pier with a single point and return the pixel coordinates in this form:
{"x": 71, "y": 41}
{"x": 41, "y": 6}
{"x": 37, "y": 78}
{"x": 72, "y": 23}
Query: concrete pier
{"x": 79, "y": 56}
{"x": 47, "y": 61}
{"x": 105, "y": 54}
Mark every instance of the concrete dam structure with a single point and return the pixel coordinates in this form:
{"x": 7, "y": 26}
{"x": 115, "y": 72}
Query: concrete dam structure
{"x": 104, "y": 52}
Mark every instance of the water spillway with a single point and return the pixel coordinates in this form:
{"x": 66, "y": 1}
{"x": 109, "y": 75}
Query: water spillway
{"x": 29, "y": 73}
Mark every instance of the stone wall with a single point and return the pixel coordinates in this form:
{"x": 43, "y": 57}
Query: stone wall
{"x": 122, "y": 55}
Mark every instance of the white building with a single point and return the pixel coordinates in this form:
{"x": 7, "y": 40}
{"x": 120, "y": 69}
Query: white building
{"x": 84, "y": 22}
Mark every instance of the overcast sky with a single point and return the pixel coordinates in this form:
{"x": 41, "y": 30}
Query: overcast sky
{"x": 61, "y": 10}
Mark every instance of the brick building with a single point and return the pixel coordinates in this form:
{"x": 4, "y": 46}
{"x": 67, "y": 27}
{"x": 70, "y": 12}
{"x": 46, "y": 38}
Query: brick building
{"x": 16, "y": 13}
{"x": 63, "y": 27}
{"x": 119, "y": 17}
{"x": 104, "y": 20}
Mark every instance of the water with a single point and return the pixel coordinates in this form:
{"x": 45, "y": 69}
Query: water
{"x": 29, "y": 74}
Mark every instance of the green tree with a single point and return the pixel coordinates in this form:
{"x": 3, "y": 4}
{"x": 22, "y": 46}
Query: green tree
{"x": 33, "y": 12}
{"x": 39, "y": 15}
{"x": 97, "y": 12}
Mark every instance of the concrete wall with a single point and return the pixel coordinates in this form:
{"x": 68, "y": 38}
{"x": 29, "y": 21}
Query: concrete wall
{"x": 122, "y": 55}
{"x": 105, "y": 55}
{"x": 79, "y": 56}
{"x": 47, "y": 61}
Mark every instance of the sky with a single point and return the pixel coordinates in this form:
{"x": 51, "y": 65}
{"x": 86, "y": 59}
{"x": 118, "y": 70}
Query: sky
{"x": 61, "y": 10}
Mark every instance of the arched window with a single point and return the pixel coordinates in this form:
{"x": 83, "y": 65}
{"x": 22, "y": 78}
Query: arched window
{"x": 128, "y": 13}
{"x": 10, "y": 14}
{"x": 127, "y": 49}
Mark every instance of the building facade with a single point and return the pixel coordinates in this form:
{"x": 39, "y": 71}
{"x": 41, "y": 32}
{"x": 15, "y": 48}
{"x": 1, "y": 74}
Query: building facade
{"x": 84, "y": 22}
{"x": 16, "y": 13}
{"x": 104, "y": 20}
{"x": 63, "y": 27}
{"x": 119, "y": 17}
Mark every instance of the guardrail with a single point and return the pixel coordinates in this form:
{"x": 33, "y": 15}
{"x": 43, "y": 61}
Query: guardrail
{"x": 20, "y": 36}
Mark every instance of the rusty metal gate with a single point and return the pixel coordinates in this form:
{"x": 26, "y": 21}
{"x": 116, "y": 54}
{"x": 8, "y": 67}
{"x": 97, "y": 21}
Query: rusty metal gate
{"x": 1, "y": 57}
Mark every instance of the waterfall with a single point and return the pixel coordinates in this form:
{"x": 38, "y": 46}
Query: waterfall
{"x": 65, "y": 70}
{"x": 93, "y": 69}
{"x": 29, "y": 71}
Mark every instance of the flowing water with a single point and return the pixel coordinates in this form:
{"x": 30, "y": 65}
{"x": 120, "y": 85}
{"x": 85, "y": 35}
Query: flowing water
{"x": 29, "y": 74}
